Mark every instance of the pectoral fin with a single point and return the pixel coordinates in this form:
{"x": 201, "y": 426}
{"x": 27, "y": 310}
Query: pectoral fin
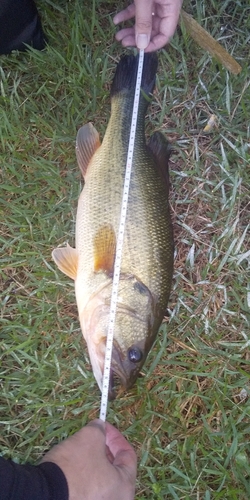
{"x": 87, "y": 142}
{"x": 104, "y": 249}
{"x": 161, "y": 150}
{"x": 66, "y": 259}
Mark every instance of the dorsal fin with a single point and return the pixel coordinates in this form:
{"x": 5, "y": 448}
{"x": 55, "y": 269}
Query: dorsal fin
{"x": 104, "y": 249}
{"x": 87, "y": 142}
{"x": 66, "y": 259}
{"x": 161, "y": 150}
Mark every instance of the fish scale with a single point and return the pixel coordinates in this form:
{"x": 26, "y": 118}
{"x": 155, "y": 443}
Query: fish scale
{"x": 142, "y": 235}
{"x": 147, "y": 257}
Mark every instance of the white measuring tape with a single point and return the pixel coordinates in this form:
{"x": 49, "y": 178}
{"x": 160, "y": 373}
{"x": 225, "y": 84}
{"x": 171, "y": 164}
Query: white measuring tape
{"x": 118, "y": 257}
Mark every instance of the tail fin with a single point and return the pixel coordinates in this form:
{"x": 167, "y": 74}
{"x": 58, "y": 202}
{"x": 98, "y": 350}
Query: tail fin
{"x": 126, "y": 72}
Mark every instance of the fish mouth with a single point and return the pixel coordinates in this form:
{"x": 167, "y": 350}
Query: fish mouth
{"x": 117, "y": 379}
{"x": 111, "y": 393}
{"x": 114, "y": 380}
{"x": 119, "y": 375}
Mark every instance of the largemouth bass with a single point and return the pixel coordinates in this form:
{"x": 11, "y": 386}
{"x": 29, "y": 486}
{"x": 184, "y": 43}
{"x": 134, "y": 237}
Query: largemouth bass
{"x": 147, "y": 259}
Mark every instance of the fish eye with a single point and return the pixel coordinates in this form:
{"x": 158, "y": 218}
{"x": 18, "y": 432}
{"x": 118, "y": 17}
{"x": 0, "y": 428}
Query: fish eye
{"x": 134, "y": 354}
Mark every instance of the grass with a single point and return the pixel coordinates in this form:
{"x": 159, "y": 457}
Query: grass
{"x": 191, "y": 430}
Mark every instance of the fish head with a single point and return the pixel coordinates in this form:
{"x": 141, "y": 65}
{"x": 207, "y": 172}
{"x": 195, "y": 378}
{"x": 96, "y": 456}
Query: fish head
{"x": 135, "y": 329}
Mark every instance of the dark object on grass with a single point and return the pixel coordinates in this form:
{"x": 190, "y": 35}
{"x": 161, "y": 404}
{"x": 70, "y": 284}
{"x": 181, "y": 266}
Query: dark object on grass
{"x": 20, "y": 24}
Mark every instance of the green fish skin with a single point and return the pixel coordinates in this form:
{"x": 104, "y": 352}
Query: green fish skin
{"x": 148, "y": 248}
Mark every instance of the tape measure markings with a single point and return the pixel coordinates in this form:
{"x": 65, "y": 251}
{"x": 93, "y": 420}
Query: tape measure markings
{"x": 118, "y": 257}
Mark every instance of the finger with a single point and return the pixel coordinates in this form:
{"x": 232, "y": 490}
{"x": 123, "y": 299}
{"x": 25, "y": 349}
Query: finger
{"x": 93, "y": 437}
{"x": 168, "y": 25}
{"x": 127, "y": 35}
{"x": 119, "y": 446}
{"x": 125, "y": 14}
{"x": 129, "y": 41}
{"x": 157, "y": 43}
{"x": 126, "y": 32}
{"x": 125, "y": 459}
{"x": 109, "y": 455}
{"x": 97, "y": 423}
{"x": 143, "y": 22}
{"x": 165, "y": 32}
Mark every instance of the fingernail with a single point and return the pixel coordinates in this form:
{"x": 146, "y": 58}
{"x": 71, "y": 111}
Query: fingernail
{"x": 142, "y": 41}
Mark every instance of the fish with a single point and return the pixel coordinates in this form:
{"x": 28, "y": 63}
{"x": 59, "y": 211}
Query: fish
{"x": 148, "y": 246}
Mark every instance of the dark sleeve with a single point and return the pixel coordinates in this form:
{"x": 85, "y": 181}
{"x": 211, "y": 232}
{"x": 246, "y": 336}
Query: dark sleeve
{"x": 28, "y": 482}
{"x": 20, "y": 24}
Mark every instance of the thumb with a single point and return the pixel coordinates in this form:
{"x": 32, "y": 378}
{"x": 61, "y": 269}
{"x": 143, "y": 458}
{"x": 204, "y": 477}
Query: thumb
{"x": 143, "y": 22}
{"x": 123, "y": 453}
